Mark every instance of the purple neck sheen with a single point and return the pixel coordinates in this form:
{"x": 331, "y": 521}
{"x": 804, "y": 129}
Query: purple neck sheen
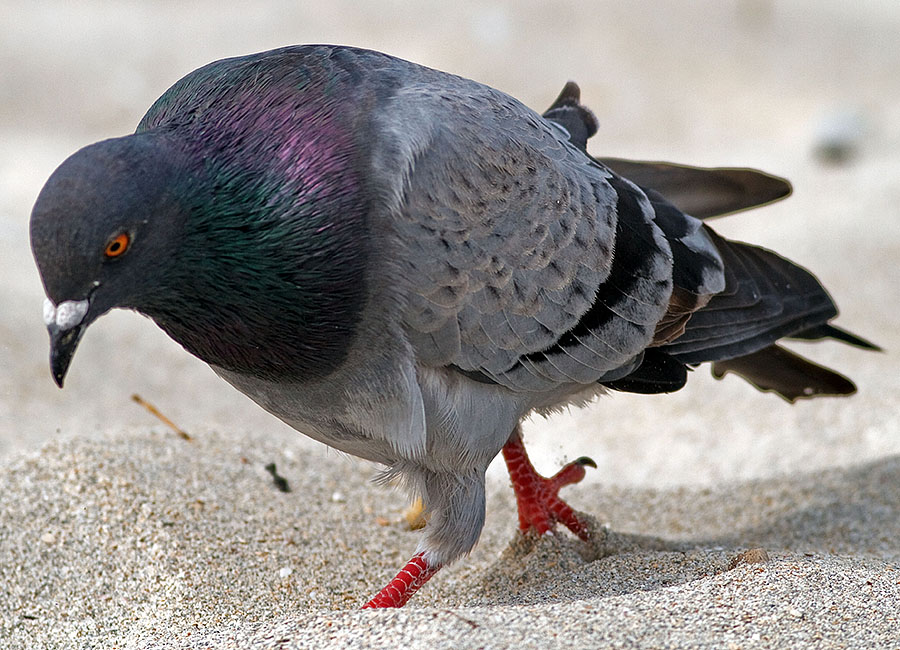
{"x": 302, "y": 140}
{"x": 280, "y": 235}
{"x": 315, "y": 159}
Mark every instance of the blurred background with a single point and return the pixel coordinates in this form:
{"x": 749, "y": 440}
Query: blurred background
{"x": 807, "y": 89}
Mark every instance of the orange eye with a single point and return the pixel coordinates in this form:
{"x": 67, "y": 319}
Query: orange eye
{"x": 117, "y": 245}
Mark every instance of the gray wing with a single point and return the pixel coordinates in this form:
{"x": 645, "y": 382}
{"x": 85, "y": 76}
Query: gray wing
{"x": 526, "y": 261}
{"x": 764, "y": 298}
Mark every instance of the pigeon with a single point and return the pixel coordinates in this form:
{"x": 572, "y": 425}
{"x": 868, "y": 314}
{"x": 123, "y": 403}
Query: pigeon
{"x": 402, "y": 264}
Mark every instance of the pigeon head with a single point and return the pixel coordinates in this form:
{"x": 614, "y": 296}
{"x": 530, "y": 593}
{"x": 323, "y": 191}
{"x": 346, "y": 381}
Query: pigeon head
{"x": 101, "y": 233}
{"x": 244, "y": 239}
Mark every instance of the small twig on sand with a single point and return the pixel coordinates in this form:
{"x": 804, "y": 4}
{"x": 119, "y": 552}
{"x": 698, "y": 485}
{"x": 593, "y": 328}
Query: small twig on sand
{"x": 155, "y": 411}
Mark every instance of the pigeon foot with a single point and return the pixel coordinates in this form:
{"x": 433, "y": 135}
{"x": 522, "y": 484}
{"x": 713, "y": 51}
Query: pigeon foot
{"x": 540, "y": 507}
{"x": 399, "y": 590}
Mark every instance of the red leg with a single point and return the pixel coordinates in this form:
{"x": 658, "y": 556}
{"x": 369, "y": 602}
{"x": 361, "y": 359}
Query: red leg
{"x": 399, "y": 590}
{"x": 539, "y": 504}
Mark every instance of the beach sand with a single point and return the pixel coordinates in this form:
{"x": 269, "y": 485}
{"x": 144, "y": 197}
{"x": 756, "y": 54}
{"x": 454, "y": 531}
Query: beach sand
{"x": 150, "y": 541}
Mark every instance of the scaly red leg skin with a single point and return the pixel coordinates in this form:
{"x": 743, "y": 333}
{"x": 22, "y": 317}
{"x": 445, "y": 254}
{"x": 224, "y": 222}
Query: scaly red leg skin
{"x": 539, "y": 504}
{"x": 539, "y": 507}
{"x": 399, "y": 590}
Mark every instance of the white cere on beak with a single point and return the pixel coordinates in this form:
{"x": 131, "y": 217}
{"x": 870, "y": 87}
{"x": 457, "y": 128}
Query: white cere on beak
{"x": 49, "y": 312}
{"x": 66, "y": 315}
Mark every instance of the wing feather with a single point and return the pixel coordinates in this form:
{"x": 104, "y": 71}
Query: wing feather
{"x": 530, "y": 264}
{"x": 512, "y": 236}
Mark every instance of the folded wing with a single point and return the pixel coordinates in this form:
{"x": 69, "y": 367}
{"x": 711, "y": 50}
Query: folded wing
{"x": 534, "y": 266}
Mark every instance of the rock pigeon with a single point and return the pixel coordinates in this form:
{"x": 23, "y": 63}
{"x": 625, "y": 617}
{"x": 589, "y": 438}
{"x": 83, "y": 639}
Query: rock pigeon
{"x": 402, "y": 264}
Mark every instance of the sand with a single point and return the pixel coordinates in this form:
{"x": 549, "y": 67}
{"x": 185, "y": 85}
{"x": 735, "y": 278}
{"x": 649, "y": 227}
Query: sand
{"x": 150, "y": 541}
{"x": 115, "y": 532}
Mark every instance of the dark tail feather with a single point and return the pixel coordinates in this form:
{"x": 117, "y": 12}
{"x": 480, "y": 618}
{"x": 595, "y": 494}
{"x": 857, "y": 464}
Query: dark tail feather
{"x": 766, "y": 297}
{"x": 704, "y": 192}
{"x": 776, "y": 369}
{"x": 826, "y": 331}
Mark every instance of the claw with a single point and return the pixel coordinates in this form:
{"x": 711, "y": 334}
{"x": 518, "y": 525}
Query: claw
{"x": 540, "y": 507}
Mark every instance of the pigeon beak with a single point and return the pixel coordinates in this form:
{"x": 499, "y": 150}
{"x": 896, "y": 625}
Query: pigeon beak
{"x": 65, "y": 323}
{"x": 62, "y": 349}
